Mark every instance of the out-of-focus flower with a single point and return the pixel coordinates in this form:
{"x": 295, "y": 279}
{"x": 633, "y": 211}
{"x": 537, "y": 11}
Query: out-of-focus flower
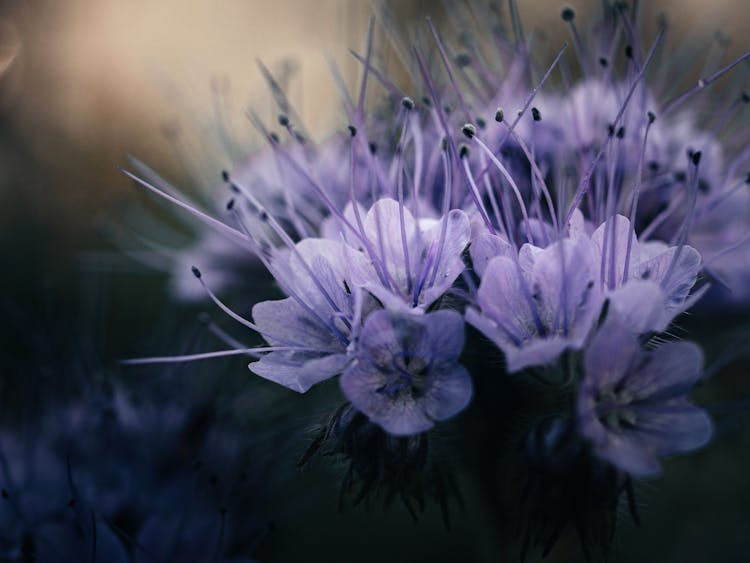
{"x": 632, "y": 404}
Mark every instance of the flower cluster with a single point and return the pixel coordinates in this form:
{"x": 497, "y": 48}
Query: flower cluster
{"x": 565, "y": 237}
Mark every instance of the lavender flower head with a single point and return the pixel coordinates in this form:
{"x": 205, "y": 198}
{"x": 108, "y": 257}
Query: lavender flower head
{"x": 570, "y": 233}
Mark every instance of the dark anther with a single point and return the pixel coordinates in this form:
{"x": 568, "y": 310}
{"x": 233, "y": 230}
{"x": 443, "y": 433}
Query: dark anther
{"x": 611, "y": 130}
{"x": 499, "y": 115}
{"x": 603, "y": 62}
{"x": 444, "y": 143}
{"x": 447, "y": 109}
{"x": 274, "y": 137}
{"x": 680, "y": 176}
{"x": 651, "y": 117}
{"x": 263, "y": 216}
{"x": 747, "y": 178}
{"x": 426, "y": 101}
{"x": 481, "y": 123}
{"x": 463, "y": 59}
{"x": 653, "y": 166}
{"x": 629, "y": 51}
{"x": 283, "y": 120}
{"x": 463, "y": 150}
{"x": 225, "y": 175}
{"x": 745, "y": 97}
{"x": 568, "y": 14}
{"x": 696, "y": 157}
{"x": 535, "y": 114}
{"x": 469, "y": 130}
{"x": 407, "y": 102}
{"x": 352, "y": 130}
{"x": 620, "y": 133}
{"x": 196, "y": 272}
{"x": 230, "y": 204}
{"x": 373, "y": 148}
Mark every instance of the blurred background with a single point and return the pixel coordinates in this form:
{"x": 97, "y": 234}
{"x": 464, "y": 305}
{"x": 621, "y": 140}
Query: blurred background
{"x": 85, "y": 83}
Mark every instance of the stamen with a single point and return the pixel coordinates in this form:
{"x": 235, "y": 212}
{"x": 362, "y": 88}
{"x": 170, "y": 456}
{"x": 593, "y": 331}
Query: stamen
{"x": 511, "y": 182}
{"x": 583, "y": 186}
{"x": 702, "y": 83}
{"x": 255, "y": 352}
{"x": 636, "y": 193}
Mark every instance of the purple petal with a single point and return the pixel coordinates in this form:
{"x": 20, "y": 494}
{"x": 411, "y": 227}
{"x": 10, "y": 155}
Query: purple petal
{"x": 682, "y": 277}
{"x": 673, "y": 427}
{"x": 486, "y": 246}
{"x": 448, "y": 258}
{"x": 285, "y": 322}
{"x": 500, "y": 297}
{"x": 535, "y": 352}
{"x": 381, "y": 339}
{"x": 609, "y": 356}
{"x": 619, "y": 228}
{"x": 298, "y": 371}
{"x": 671, "y": 370}
{"x": 445, "y": 334}
{"x": 450, "y": 392}
{"x": 640, "y": 306}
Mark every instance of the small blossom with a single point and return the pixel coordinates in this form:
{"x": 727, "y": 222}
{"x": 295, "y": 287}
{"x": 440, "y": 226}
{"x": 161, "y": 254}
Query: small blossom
{"x": 407, "y": 374}
{"x": 632, "y": 404}
{"x": 540, "y": 304}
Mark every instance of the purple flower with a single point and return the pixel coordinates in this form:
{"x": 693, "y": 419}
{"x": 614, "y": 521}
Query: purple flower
{"x": 647, "y": 284}
{"x": 407, "y": 374}
{"x": 540, "y": 304}
{"x": 310, "y": 332}
{"x": 412, "y": 262}
{"x": 632, "y": 403}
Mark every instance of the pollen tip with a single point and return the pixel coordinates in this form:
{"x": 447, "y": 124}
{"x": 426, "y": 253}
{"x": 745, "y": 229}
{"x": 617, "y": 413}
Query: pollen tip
{"x": 426, "y": 101}
{"x": 273, "y": 137}
{"x": 230, "y": 204}
{"x": 499, "y": 115}
{"x": 225, "y": 175}
{"x": 408, "y": 103}
{"x": 536, "y": 114}
{"x": 745, "y": 97}
{"x": 469, "y": 130}
{"x": 629, "y": 51}
{"x": 696, "y": 157}
{"x": 373, "y": 148}
{"x": 352, "y": 130}
{"x": 196, "y": 272}
{"x": 463, "y": 150}
{"x": 620, "y": 133}
{"x": 603, "y": 62}
{"x": 481, "y": 122}
{"x": 568, "y": 14}
{"x": 651, "y": 116}
{"x": 283, "y": 120}
{"x": 747, "y": 178}
{"x": 444, "y": 143}
{"x": 463, "y": 59}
